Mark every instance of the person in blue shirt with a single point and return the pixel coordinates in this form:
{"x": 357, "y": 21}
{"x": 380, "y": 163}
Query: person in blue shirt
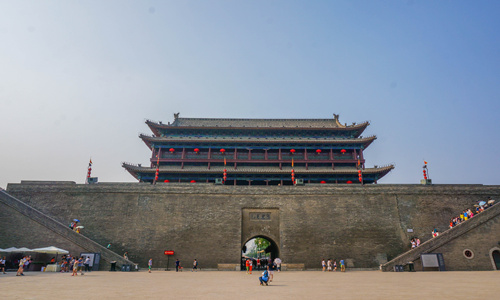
{"x": 264, "y": 278}
{"x": 177, "y": 265}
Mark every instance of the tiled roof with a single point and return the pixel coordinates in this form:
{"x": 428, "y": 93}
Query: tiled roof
{"x": 147, "y": 138}
{"x": 258, "y": 123}
{"x": 201, "y": 122}
{"x": 256, "y": 170}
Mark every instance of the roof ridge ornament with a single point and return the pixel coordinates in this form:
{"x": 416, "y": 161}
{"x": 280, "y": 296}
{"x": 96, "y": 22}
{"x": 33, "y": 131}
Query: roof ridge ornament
{"x": 336, "y": 119}
{"x": 176, "y": 116}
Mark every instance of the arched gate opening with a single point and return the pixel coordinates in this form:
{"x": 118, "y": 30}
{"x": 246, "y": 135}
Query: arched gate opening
{"x": 260, "y": 250}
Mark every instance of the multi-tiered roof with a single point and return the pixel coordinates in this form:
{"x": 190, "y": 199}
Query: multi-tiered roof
{"x": 257, "y": 151}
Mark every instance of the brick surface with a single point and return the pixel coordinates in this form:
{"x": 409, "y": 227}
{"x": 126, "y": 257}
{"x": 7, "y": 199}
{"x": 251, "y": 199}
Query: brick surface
{"x": 365, "y": 225}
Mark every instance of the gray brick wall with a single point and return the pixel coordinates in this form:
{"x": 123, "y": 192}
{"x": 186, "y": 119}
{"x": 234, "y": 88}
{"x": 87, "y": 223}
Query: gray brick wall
{"x": 362, "y": 224}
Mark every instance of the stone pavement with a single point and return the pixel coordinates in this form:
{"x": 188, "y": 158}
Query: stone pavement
{"x": 238, "y": 285}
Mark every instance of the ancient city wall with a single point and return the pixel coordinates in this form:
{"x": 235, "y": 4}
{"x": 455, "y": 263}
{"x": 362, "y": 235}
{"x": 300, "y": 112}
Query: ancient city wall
{"x": 365, "y": 225}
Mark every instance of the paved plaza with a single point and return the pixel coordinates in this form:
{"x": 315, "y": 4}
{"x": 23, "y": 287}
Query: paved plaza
{"x": 238, "y": 285}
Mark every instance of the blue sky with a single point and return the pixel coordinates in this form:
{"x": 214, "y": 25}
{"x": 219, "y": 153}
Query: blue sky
{"x": 79, "y": 78}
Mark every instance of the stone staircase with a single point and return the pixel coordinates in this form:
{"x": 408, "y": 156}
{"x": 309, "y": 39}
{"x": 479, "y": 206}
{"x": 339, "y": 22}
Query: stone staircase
{"x": 443, "y": 238}
{"x": 62, "y": 230}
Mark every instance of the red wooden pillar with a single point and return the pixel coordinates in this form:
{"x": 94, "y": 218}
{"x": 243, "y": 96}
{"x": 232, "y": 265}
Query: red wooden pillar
{"x": 249, "y": 154}
{"x": 209, "y": 156}
{"x": 279, "y": 159}
{"x": 183, "y": 155}
{"x": 331, "y": 158}
{"x": 235, "y": 158}
{"x": 265, "y": 155}
{"x": 305, "y": 158}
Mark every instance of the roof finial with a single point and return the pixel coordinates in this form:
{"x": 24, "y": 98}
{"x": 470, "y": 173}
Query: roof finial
{"x": 176, "y": 116}
{"x": 336, "y": 119}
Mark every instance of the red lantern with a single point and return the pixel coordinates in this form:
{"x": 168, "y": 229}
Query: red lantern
{"x": 292, "y": 151}
{"x": 323, "y": 182}
{"x": 172, "y": 150}
{"x": 156, "y": 178}
{"x": 193, "y": 181}
{"x": 318, "y": 151}
{"x": 343, "y": 151}
{"x": 196, "y": 150}
{"x": 222, "y": 151}
{"x": 166, "y": 180}
{"x": 349, "y": 182}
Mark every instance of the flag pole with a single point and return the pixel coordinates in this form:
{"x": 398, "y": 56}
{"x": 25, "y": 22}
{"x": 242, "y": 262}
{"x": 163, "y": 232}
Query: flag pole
{"x": 89, "y": 171}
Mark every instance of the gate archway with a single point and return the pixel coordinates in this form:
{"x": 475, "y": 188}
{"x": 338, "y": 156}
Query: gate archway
{"x": 261, "y": 250}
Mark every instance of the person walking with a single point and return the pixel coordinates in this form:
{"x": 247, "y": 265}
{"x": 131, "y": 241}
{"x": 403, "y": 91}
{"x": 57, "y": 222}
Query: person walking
{"x": 87, "y": 264}
{"x": 323, "y": 264}
{"x": 271, "y": 268}
{"x": 250, "y": 264}
{"x": 277, "y": 261}
{"x": 80, "y": 265}
{"x": 342, "y": 266}
{"x": 27, "y": 263}
{"x": 195, "y": 266}
{"x": 177, "y": 265}
{"x": 2, "y": 264}
{"x": 21, "y": 266}
{"x": 150, "y": 264}
{"x": 329, "y": 265}
{"x": 74, "y": 262}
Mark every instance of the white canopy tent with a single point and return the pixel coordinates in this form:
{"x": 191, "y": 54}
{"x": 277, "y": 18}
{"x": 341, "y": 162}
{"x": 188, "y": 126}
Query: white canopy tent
{"x": 51, "y": 249}
{"x": 14, "y": 249}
